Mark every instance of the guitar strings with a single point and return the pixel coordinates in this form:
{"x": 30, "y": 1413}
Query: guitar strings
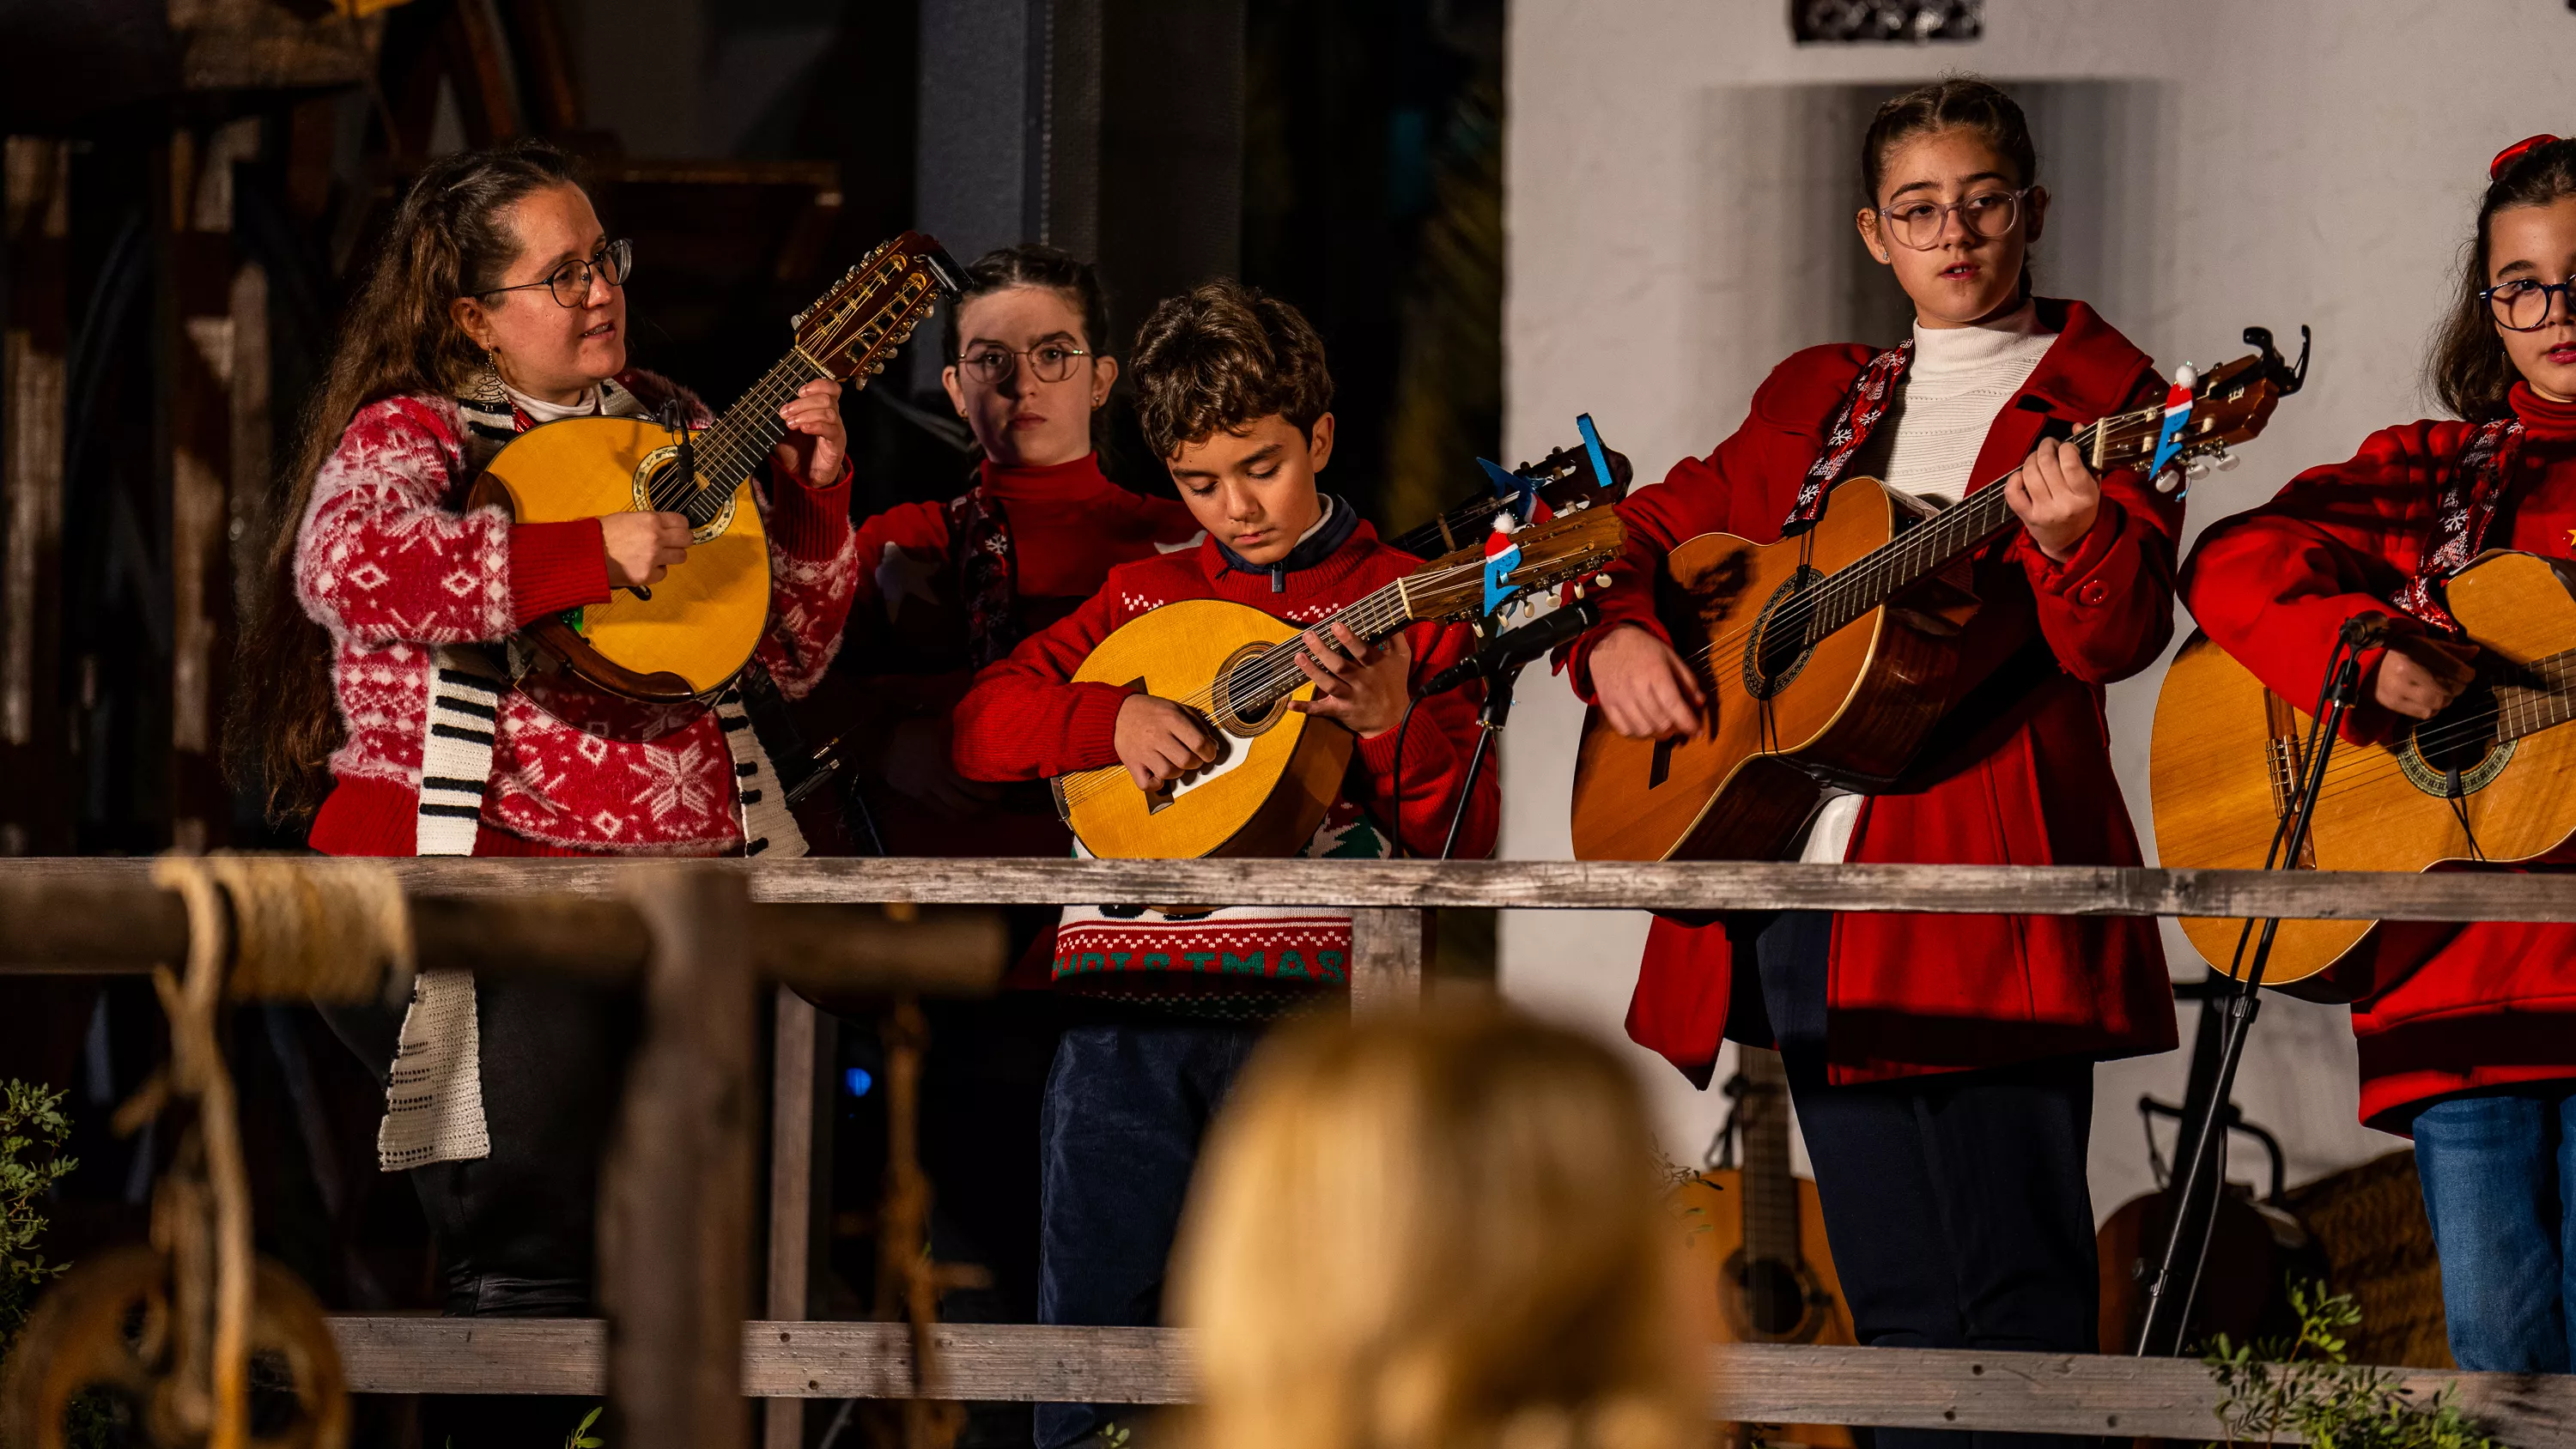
{"x": 1276, "y": 668}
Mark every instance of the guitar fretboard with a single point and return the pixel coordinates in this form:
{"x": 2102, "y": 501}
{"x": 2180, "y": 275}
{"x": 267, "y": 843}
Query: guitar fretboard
{"x": 2544, "y": 699}
{"x": 736, "y": 443}
{"x": 1770, "y": 1190}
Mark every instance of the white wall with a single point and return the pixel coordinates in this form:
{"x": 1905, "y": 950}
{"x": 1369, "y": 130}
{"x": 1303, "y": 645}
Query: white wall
{"x": 1676, "y": 205}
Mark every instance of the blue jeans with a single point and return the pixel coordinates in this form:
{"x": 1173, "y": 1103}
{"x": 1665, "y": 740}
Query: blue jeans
{"x": 2498, "y": 1173}
{"x": 1126, "y": 1105}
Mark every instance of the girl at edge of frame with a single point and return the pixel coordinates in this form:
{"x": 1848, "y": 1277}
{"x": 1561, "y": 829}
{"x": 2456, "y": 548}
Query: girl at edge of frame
{"x": 1437, "y": 1230}
{"x": 1942, "y": 1068}
{"x": 948, "y": 587}
{"x": 497, "y": 304}
{"x": 2463, "y": 1031}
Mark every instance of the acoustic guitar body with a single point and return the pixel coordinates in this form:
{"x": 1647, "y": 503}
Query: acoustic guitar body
{"x": 706, "y": 615}
{"x": 2226, "y": 750}
{"x": 1851, "y": 708}
{"x": 1267, "y": 792}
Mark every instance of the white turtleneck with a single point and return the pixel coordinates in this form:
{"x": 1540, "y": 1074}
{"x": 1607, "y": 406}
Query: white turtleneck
{"x": 1958, "y": 384}
{"x": 541, "y": 411}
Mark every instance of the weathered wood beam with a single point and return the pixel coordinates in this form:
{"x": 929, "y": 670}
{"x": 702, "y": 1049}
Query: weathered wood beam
{"x": 1542, "y": 884}
{"x": 117, "y": 920}
{"x": 1764, "y": 1383}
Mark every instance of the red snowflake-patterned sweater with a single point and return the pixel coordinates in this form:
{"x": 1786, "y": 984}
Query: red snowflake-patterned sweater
{"x": 1025, "y": 719}
{"x": 388, "y": 561}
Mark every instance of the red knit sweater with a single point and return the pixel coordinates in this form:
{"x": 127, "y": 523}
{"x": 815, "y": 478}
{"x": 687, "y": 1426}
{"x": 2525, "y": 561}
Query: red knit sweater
{"x": 908, "y": 659}
{"x": 390, "y": 564}
{"x": 1025, "y": 720}
{"x": 2448, "y": 1010}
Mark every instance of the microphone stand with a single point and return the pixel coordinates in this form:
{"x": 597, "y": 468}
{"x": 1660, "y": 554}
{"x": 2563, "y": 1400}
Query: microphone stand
{"x": 1490, "y": 720}
{"x": 2177, "y": 1285}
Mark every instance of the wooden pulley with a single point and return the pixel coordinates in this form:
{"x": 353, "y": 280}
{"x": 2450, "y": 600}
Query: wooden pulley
{"x": 114, "y": 1330}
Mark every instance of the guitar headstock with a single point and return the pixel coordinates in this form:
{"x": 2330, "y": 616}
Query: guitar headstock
{"x": 869, "y": 312}
{"x": 1567, "y": 548}
{"x": 2227, "y": 405}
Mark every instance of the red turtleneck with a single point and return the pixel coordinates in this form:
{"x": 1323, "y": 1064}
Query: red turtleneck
{"x": 2491, "y": 1004}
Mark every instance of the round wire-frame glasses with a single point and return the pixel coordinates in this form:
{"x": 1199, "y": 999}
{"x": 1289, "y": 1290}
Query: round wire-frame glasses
{"x": 1986, "y": 215}
{"x": 2524, "y": 305}
{"x": 993, "y": 364}
{"x": 614, "y": 262}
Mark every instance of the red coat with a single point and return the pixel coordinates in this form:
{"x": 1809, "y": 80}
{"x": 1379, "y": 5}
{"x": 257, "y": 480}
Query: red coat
{"x": 2445, "y": 1010}
{"x": 1909, "y": 995}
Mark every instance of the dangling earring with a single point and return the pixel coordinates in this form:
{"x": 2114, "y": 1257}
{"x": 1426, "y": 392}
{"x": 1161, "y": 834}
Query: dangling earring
{"x": 490, "y": 389}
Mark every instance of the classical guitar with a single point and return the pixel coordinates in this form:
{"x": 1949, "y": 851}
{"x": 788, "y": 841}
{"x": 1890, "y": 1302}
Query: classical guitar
{"x": 1831, "y": 654}
{"x": 2492, "y": 778}
{"x": 1757, "y": 1240}
{"x": 686, "y": 636}
{"x": 1233, "y": 665}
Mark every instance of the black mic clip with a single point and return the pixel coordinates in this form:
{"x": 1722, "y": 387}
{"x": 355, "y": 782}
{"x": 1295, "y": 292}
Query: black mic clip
{"x": 1509, "y": 650}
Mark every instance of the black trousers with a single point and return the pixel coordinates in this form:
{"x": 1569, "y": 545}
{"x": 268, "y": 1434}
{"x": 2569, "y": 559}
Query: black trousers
{"x": 517, "y": 1231}
{"x": 1956, "y": 1206}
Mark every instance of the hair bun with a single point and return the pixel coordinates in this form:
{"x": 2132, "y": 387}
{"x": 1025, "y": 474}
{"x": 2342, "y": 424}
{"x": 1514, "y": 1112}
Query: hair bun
{"x": 2513, "y": 153}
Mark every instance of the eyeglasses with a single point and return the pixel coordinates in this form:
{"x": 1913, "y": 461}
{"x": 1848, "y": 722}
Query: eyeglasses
{"x": 2524, "y": 305}
{"x": 1048, "y": 362}
{"x": 1986, "y": 215}
{"x": 571, "y": 282}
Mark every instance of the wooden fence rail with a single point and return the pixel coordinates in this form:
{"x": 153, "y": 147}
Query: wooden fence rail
{"x": 1758, "y": 1383}
{"x": 2055, "y": 890}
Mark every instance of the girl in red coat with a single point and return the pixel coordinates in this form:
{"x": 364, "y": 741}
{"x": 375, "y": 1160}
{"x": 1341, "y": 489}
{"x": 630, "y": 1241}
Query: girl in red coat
{"x": 946, "y": 588}
{"x": 375, "y": 673}
{"x": 1942, "y": 1065}
{"x": 2465, "y": 1036}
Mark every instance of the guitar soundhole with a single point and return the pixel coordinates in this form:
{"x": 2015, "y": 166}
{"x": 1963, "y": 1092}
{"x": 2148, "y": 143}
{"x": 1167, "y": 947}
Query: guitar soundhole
{"x": 1780, "y": 647}
{"x": 2459, "y": 743}
{"x": 1238, "y": 704}
{"x": 1774, "y": 1302}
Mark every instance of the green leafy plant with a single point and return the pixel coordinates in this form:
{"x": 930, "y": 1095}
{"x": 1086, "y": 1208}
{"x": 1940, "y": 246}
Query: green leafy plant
{"x": 581, "y": 1437}
{"x": 32, "y": 1132}
{"x": 2301, "y": 1386}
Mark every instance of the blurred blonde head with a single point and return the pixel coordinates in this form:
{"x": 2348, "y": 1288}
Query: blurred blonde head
{"x": 1436, "y": 1232}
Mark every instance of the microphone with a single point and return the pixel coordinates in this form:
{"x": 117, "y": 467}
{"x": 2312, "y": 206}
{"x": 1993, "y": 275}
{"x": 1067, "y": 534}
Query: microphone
{"x": 2365, "y": 631}
{"x": 1513, "y": 648}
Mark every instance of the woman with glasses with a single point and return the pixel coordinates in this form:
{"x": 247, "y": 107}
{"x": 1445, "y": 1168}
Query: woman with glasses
{"x": 2465, "y": 1037}
{"x": 1941, "y": 1067}
{"x": 950, "y": 586}
{"x": 498, "y": 304}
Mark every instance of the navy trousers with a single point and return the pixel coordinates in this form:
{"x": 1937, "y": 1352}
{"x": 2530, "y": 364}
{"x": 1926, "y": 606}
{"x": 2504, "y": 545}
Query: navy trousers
{"x": 1956, "y": 1206}
{"x": 1126, "y": 1105}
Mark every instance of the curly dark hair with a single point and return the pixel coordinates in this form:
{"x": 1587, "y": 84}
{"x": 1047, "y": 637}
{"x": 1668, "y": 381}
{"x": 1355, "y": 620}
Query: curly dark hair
{"x": 450, "y": 236}
{"x": 2469, "y": 370}
{"x": 1222, "y": 358}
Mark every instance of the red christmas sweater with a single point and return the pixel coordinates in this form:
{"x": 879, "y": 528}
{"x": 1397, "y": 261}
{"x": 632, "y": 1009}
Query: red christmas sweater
{"x": 2444, "y": 1009}
{"x": 389, "y": 561}
{"x": 910, "y": 654}
{"x": 1025, "y": 720}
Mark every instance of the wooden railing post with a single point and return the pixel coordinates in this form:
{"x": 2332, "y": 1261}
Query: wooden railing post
{"x": 799, "y": 1086}
{"x": 676, "y": 1195}
{"x": 1386, "y": 959}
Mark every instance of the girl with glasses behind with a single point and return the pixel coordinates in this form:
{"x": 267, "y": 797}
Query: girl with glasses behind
{"x": 1941, "y": 1067}
{"x": 948, "y": 587}
{"x": 2464, "y": 1033}
{"x": 498, "y": 304}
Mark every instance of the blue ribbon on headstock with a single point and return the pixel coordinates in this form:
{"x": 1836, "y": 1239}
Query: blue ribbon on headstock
{"x": 1497, "y": 564}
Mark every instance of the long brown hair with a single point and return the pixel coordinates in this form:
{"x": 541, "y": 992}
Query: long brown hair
{"x": 449, "y": 238}
{"x": 2469, "y": 369}
{"x": 1434, "y": 1231}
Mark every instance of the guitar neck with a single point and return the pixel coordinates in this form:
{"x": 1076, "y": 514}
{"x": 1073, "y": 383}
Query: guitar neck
{"x": 1924, "y": 549}
{"x": 1770, "y": 1189}
{"x": 733, "y": 447}
{"x": 1273, "y": 675}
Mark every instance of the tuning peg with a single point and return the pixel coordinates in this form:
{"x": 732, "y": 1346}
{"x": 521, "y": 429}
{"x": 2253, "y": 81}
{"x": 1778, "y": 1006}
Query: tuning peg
{"x": 2225, "y": 462}
{"x": 1601, "y": 579}
{"x": 1578, "y": 592}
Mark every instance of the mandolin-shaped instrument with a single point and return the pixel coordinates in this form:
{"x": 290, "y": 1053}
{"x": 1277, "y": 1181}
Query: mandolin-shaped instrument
{"x": 1233, "y": 666}
{"x": 1830, "y": 655}
{"x": 2492, "y": 778}
{"x": 691, "y": 633}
